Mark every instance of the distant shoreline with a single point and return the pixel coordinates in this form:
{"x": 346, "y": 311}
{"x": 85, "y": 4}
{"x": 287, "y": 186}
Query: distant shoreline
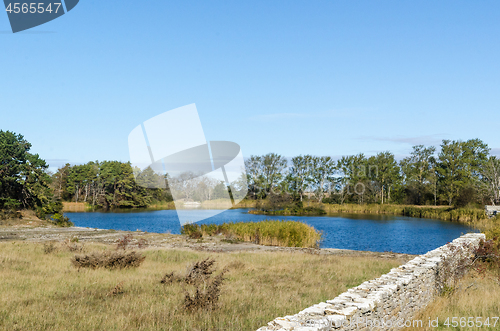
{"x": 470, "y": 216}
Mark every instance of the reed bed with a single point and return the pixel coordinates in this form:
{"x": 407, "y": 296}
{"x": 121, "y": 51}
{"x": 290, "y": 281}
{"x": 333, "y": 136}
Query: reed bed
{"x": 445, "y": 213}
{"x": 363, "y": 209}
{"x": 464, "y": 215}
{"x": 77, "y": 207}
{"x": 293, "y": 210}
{"x": 246, "y": 203}
{"x": 162, "y": 205}
{"x": 269, "y": 233}
{"x": 217, "y": 204}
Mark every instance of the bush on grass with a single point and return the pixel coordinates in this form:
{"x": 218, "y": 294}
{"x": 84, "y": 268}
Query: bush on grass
{"x": 108, "y": 260}
{"x": 205, "y": 287}
{"x": 49, "y": 247}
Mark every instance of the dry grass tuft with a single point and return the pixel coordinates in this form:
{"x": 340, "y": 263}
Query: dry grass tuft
{"x": 124, "y": 242}
{"x": 200, "y": 271}
{"x": 109, "y": 260}
{"x": 197, "y": 273}
{"x": 72, "y": 246}
{"x": 117, "y": 290}
{"x": 170, "y": 278}
{"x": 206, "y": 295}
{"x": 128, "y": 240}
{"x": 206, "y": 288}
{"x": 142, "y": 243}
{"x": 49, "y": 247}
{"x": 236, "y": 265}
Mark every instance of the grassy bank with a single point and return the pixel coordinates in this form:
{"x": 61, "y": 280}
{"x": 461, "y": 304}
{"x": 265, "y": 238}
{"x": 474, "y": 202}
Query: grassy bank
{"x": 29, "y": 218}
{"x": 465, "y": 215}
{"x": 161, "y": 205}
{"x": 270, "y": 233}
{"x": 76, "y": 207}
{"x": 79, "y": 207}
{"x": 473, "y": 216}
{"x": 209, "y": 204}
{"x": 478, "y": 297}
{"x": 294, "y": 210}
{"x": 45, "y": 292}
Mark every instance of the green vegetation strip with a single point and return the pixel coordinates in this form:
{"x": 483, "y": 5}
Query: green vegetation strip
{"x": 292, "y": 210}
{"x": 270, "y": 233}
{"x": 442, "y": 213}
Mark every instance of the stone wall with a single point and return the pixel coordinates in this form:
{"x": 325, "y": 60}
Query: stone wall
{"x": 385, "y": 303}
{"x": 492, "y": 210}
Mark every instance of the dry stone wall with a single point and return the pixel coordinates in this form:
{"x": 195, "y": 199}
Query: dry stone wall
{"x": 385, "y": 303}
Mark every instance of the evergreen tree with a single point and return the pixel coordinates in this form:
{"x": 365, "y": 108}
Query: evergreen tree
{"x": 24, "y": 182}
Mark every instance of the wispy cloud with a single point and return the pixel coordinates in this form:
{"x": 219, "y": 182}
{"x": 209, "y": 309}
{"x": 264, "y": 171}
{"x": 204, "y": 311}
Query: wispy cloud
{"x": 336, "y": 113}
{"x": 433, "y": 139}
{"x": 57, "y": 160}
{"x": 495, "y": 151}
{"x": 55, "y": 164}
{"x": 280, "y": 116}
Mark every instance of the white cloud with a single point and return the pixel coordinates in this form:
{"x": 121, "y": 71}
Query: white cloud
{"x": 495, "y": 151}
{"x": 336, "y": 113}
{"x": 280, "y": 116}
{"x": 433, "y": 139}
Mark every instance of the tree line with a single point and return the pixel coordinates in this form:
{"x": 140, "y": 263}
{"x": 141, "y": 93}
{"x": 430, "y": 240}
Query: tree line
{"x": 461, "y": 173}
{"x": 25, "y": 182}
{"x": 108, "y": 185}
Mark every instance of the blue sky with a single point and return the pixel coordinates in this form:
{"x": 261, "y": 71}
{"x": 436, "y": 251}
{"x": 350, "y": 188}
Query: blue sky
{"x": 291, "y": 77}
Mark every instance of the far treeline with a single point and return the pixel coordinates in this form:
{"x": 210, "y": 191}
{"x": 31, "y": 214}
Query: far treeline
{"x": 462, "y": 173}
{"x": 25, "y": 182}
{"x": 107, "y": 185}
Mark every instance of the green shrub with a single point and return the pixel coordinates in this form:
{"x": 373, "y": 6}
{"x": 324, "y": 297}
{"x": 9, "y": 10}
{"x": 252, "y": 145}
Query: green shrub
{"x": 493, "y": 234}
{"x": 193, "y": 231}
{"x": 60, "y": 220}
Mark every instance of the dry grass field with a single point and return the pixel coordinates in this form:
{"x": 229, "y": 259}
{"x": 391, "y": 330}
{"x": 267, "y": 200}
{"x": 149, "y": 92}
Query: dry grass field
{"x": 42, "y": 290}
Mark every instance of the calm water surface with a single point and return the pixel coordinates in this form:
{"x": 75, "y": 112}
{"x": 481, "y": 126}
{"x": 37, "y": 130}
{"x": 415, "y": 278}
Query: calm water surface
{"x": 379, "y": 233}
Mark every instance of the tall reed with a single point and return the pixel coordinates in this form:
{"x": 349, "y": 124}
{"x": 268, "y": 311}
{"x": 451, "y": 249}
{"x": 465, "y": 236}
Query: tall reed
{"x": 445, "y": 213}
{"x": 270, "y": 232}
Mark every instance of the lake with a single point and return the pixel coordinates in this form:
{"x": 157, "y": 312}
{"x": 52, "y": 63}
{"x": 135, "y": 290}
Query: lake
{"x": 378, "y": 233}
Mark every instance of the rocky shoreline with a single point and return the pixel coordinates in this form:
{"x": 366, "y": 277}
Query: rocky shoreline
{"x": 36, "y": 232}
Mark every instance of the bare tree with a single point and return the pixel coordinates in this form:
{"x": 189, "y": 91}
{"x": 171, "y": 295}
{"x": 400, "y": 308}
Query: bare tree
{"x": 300, "y": 174}
{"x": 491, "y": 176}
{"x": 322, "y": 171}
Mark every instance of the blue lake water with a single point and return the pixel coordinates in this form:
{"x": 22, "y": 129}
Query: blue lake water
{"x": 378, "y": 233}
